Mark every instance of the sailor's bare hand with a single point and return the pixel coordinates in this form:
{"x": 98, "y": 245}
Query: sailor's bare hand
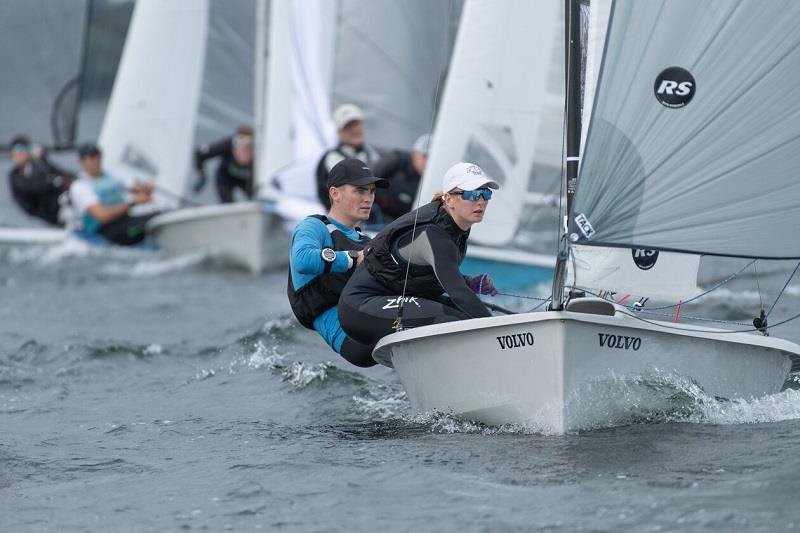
{"x": 360, "y": 257}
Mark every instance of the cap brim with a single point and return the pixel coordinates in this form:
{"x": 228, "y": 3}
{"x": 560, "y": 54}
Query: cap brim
{"x": 477, "y": 183}
{"x": 379, "y": 182}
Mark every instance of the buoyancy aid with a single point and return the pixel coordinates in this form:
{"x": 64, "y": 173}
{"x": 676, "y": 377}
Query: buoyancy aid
{"x": 384, "y": 262}
{"x": 322, "y": 292}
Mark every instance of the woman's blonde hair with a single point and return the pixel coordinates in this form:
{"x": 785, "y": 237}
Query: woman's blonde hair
{"x": 437, "y": 196}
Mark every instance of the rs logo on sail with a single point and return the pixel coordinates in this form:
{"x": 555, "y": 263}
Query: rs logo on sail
{"x": 517, "y": 340}
{"x": 620, "y": 342}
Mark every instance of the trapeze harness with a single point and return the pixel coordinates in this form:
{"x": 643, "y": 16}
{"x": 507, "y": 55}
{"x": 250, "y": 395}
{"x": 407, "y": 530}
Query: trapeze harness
{"x": 321, "y": 293}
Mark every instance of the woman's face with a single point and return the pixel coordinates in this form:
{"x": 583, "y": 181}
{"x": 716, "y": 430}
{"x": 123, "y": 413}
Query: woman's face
{"x": 464, "y": 212}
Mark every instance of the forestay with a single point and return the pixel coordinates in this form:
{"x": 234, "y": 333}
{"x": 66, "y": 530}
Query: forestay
{"x": 503, "y": 110}
{"x": 700, "y": 158}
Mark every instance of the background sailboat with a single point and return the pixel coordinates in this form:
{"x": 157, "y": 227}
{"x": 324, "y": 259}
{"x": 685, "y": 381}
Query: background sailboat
{"x": 502, "y": 109}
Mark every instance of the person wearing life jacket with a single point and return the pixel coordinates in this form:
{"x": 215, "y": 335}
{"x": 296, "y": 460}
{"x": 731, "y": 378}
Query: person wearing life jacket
{"x": 37, "y": 184}
{"x": 349, "y": 120}
{"x": 103, "y": 201}
{"x": 415, "y": 260}
{"x": 235, "y": 170}
{"x": 404, "y": 171}
{"x": 325, "y": 252}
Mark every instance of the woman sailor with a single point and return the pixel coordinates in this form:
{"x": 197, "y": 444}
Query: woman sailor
{"x": 415, "y": 260}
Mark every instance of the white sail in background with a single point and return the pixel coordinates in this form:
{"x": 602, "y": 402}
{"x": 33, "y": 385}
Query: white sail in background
{"x": 322, "y": 54}
{"x": 700, "y": 158}
{"x": 297, "y": 124}
{"x": 150, "y": 122}
{"x": 185, "y": 78}
{"x": 503, "y": 110}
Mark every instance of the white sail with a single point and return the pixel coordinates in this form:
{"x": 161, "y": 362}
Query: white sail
{"x": 503, "y": 109}
{"x": 634, "y": 274}
{"x": 621, "y": 273}
{"x": 694, "y": 142}
{"x": 150, "y": 122}
{"x": 297, "y": 124}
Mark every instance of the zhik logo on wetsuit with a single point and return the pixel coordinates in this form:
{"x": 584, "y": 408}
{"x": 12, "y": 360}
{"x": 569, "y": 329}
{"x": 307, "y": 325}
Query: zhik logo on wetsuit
{"x": 644, "y": 259}
{"x": 674, "y": 87}
{"x": 620, "y": 342}
{"x": 394, "y": 303}
{"x": 517, "y": 340}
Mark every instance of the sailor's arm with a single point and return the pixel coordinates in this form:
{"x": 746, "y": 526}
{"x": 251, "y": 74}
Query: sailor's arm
{"x": 308, "y": 243}
{"x": 443, "y": 257}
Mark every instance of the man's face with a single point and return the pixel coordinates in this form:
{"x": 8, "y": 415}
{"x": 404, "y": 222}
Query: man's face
{"x": 92, "y": 164}
{"x": 243, "y": 149}
{"x": 20, "y": 155}
{"x": 352, "y": 203}
{"x": 352, "y": 134}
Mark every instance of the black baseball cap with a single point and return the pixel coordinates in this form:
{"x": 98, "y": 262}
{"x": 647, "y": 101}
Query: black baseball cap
{"x": 88, "y": 150}
{"x": 354, "y": 172}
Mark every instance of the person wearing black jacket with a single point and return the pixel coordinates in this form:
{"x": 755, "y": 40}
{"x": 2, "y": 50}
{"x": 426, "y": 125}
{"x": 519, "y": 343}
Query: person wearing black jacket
{"x": 36, "y": 184}
{"x": 349, "y": 120}
{"x": 235, "y": 169}
{"x": 404, "y": 171}
{"x": 415, "y": 260}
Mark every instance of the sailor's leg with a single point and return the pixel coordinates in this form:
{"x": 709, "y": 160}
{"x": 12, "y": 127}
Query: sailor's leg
{"x": 224, "y": 188}
{"x": 126, "y": 230}
{"x": 357, "y": 353}
{"x": 375, "y": 317}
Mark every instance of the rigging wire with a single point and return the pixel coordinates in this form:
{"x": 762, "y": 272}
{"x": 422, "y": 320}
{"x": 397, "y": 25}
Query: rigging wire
{"x": 782, "y": 291}
{"x": 398, "y": 321}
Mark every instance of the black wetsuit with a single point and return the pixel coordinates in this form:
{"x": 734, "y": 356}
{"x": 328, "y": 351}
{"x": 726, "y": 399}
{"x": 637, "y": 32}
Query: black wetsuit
{"x": 369, "y": 303}
{"x": 36, "y": 188}
{"x": 230, "y": 174}
{"x": 404, "y": 180}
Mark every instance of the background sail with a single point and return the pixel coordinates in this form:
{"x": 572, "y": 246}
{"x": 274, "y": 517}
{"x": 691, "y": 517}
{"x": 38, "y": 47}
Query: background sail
{"x": 719, "y": 174}
{"x": 502, "y": 108}
{"x": 150, "y": 121}
{"x": 176, "y": 89}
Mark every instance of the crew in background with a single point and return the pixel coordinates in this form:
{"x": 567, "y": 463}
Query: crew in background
{"x": 404, "y": 171}
{"x": 36, "y": 183}
{"x": 349, "y": 120}
{"x": 325, "y": 252}
{"x": 235, "y": 170}
{"x": 414, "y": 261}
{"x": 103, "y": 200}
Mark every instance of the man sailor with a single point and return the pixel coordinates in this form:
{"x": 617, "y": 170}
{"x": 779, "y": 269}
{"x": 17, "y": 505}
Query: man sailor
{"x": 103, "y": 200}
{"x": 325, "y": 252}
{"x": 349, "y": 120}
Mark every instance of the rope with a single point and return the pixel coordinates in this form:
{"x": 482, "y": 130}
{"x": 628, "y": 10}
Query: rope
{"x": 782, "y": 291}
{"x": 398, "y": 321}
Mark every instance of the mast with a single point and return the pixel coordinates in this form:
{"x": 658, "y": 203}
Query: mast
{"x": 260, "y": 58}
{"x": 573, "y": 139}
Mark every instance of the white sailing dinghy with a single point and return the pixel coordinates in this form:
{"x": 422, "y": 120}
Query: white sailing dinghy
{"x": 692, "y": 147}
{"x": 169, "y": 86}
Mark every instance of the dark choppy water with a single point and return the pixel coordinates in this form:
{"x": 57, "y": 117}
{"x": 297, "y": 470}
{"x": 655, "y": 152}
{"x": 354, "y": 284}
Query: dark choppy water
{"x": 144, "y": 394}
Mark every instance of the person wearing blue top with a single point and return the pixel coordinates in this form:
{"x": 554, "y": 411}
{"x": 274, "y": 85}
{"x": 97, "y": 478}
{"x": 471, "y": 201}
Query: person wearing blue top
{"x": 102, "y": 201}
{"x": 325, "y": 251}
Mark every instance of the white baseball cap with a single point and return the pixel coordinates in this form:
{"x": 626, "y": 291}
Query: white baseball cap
{"x": 467, "y": 177}
{"x": 345, "y": 114}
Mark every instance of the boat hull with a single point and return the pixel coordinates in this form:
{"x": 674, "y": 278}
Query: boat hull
{"x": 561, "y": 371}
{"x": 244, "y": 233}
